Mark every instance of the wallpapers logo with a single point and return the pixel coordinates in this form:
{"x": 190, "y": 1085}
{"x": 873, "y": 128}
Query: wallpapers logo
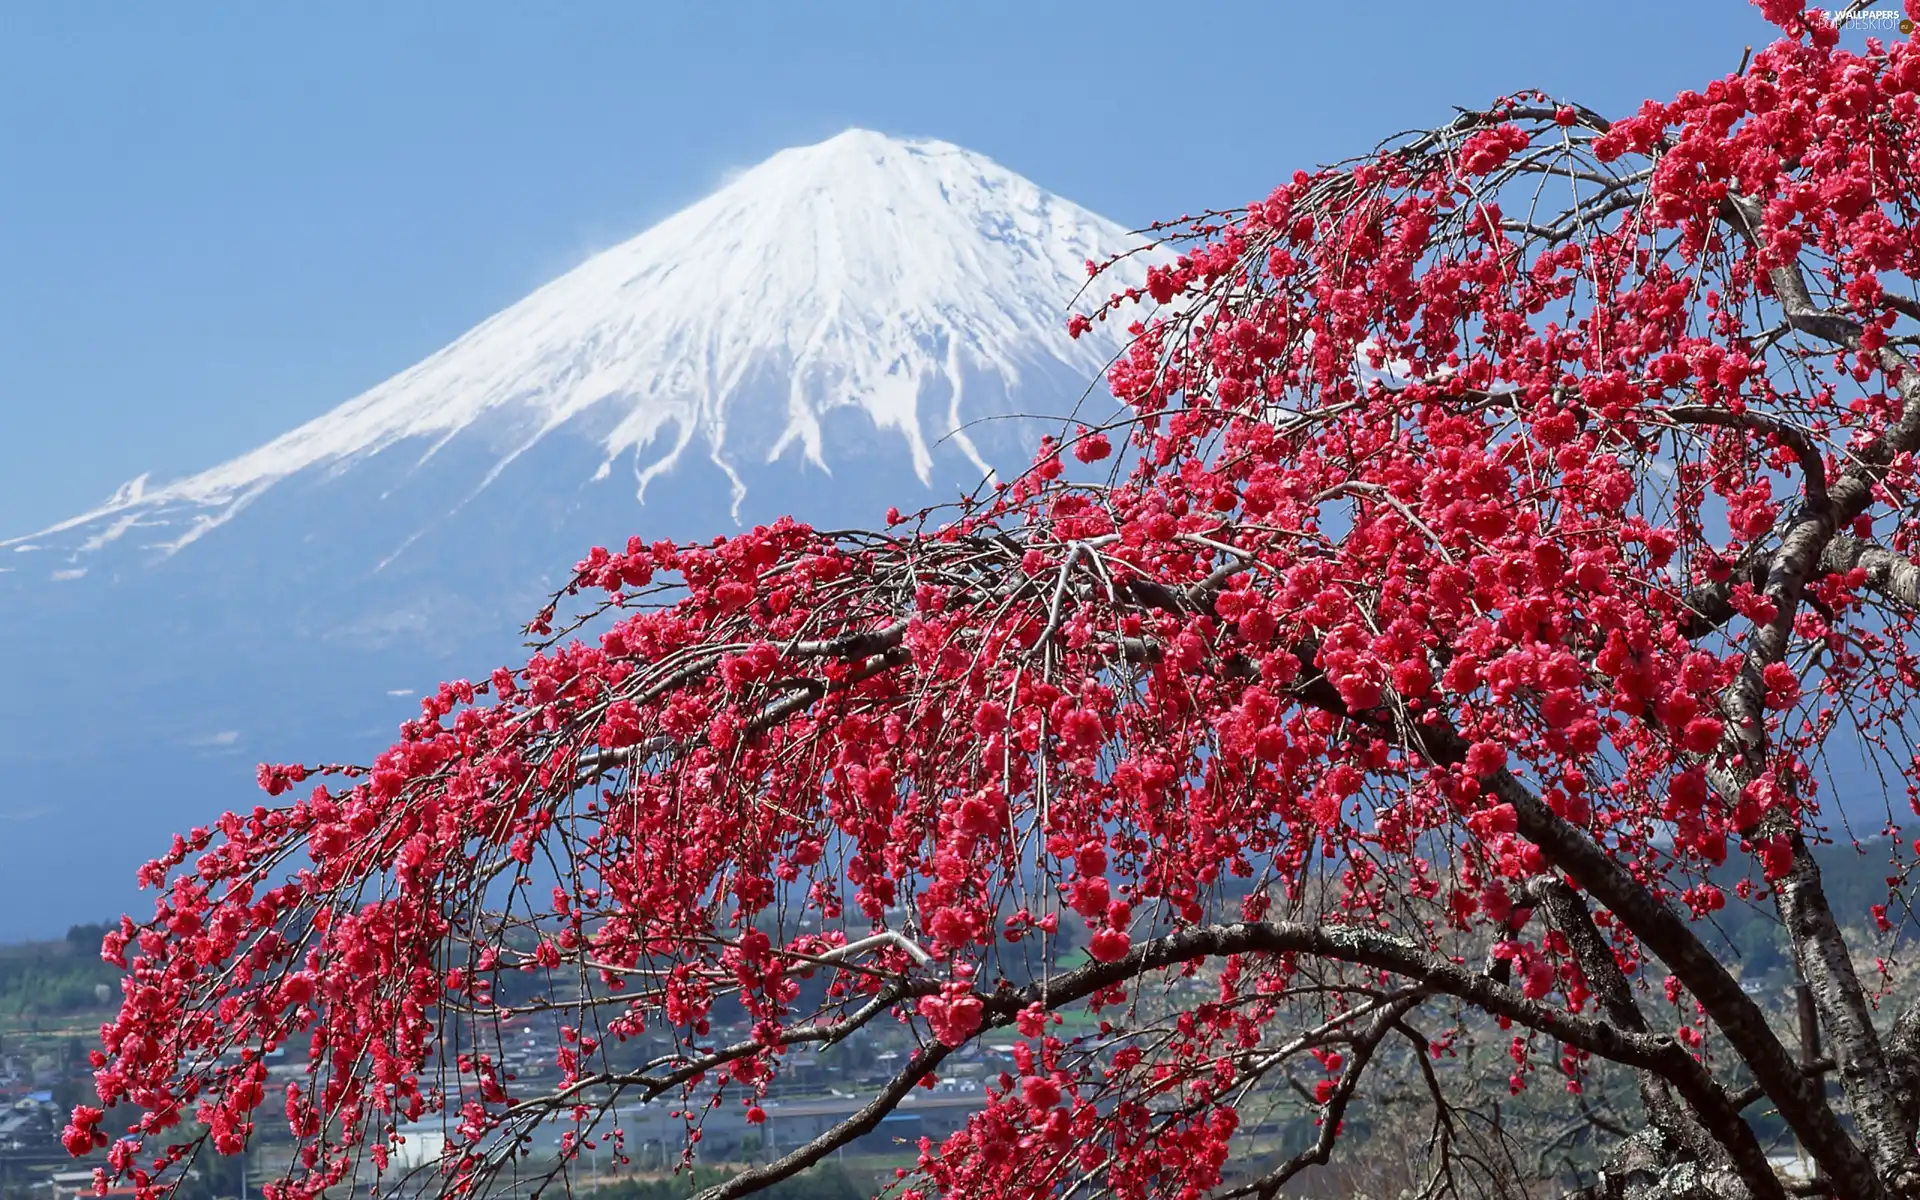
{"x": 1871, "y": 20}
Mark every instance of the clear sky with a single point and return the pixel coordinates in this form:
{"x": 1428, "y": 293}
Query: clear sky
{"x": 217, "y": 221}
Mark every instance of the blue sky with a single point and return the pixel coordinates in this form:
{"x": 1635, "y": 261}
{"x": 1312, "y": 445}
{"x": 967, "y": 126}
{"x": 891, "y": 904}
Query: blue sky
{"x": 219, "y": 221}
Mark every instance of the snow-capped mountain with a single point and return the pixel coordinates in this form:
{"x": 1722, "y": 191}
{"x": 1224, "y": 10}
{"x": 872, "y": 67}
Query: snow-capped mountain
{"x": 846, "y": 326}
{"x": 912, "y": 282}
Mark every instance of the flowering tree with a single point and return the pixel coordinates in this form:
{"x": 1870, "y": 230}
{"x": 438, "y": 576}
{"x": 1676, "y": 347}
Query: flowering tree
{"x": 1506, "y": 525}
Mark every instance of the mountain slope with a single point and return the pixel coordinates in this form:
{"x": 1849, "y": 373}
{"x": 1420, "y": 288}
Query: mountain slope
{"x": 844, "y": 327}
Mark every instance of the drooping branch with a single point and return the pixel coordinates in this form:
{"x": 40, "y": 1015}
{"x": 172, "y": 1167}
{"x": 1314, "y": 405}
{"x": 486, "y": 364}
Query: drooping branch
{"x": 1661, "y": 1055}
{"x": 1800, "y": 1100}
{"x": 1717, "y": 1136}
{"x": 1333, "y": 1112}
{"x": 1813, "y": 467}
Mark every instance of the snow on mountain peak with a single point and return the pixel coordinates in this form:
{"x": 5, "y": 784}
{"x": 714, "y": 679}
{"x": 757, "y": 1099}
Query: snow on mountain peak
{"x": 887, "y": 275}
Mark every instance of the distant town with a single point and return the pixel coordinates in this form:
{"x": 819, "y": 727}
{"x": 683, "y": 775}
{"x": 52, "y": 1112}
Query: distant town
{"x": 55, "y": 995}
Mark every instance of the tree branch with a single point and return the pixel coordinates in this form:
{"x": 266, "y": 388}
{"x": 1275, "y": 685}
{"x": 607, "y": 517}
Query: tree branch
{"x": 1664, "y": 1056}
{"x": 1812, "y": 466}
{"x": 1719, "y": 1137}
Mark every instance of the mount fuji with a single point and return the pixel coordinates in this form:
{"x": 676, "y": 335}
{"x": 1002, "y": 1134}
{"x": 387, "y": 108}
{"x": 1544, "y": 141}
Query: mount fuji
{"x": 862, "y": 322}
